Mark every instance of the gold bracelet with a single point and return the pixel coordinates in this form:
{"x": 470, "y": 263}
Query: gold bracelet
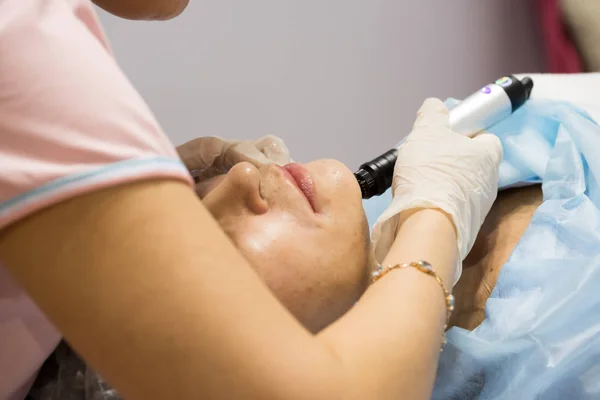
{"x": 426, "y": 268}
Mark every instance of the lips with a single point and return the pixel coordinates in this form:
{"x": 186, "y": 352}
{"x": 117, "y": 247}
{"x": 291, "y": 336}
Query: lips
{"x": 303, "y": 180}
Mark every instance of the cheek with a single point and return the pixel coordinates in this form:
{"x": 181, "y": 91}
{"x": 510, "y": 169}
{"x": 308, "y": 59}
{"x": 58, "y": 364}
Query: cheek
{"x": 317, "y": 273}
{"x": 279, "y": 247}
{"x": 264, "y": 233}
{"x": 287, "y": 259}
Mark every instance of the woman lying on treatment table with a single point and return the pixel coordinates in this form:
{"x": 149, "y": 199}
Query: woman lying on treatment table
{"x": 509, "y": 217}
{"x": 332, "y": 262}
{"x": 319, "y": 271}
{"x": 134, "y": 272}
{"x": 501, "y": 230}
{"x": 560, "y": 126}
{"x": 143, "y": 282}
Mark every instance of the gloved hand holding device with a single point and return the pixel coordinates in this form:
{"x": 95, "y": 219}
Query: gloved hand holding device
{"x": 438, "y": 168}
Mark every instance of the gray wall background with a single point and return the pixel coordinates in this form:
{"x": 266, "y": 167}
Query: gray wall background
{"x": 334, "y": 78}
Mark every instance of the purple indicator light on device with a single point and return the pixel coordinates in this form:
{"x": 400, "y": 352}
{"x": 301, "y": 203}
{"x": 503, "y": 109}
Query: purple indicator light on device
{"x": 486, "y": 90}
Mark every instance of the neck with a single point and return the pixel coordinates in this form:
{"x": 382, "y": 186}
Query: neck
{"x": 500, "y": 233}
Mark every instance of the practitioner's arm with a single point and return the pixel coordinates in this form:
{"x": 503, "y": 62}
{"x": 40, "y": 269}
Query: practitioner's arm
{"x": 146, "y": 287}
{"x": 149, "y": 290}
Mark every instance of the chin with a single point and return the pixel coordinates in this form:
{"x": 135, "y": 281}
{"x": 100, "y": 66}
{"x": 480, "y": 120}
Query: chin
{"x": 144, "y": 9}
{"x": 316, "y": 316}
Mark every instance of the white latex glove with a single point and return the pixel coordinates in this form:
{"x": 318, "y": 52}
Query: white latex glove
{"x": 438, "y": 168}
{"x": 206, "y": 157}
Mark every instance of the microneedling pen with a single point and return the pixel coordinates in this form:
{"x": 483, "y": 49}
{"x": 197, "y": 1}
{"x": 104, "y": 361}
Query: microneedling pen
{"x": 477, "y": 112}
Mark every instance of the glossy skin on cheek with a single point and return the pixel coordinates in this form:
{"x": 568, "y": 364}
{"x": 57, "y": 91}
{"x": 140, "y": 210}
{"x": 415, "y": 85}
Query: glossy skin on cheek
{"x": 316, "y": 263}
{"x": 265, "y": 238}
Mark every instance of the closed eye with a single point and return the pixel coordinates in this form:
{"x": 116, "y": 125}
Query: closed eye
{"x": 204, "y": 187}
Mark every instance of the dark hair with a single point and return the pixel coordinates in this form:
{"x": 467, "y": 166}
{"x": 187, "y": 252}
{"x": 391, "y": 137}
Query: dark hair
{"x": 65, "y": 376}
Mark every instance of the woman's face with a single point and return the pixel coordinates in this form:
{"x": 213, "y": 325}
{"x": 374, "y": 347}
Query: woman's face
{"x": 303, "y": 229}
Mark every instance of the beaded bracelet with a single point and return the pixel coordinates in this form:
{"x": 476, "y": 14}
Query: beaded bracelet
{"x": 426, "y": 268}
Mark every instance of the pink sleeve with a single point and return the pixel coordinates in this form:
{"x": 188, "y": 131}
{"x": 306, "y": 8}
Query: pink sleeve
{"x": 70, "y": 121}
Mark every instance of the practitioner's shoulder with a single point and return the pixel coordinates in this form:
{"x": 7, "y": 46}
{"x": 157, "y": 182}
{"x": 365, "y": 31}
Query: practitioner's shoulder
{"x": 71, "y": 121}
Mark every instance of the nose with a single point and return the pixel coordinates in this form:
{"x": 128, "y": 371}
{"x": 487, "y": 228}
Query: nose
{"x": 238, "y": 192}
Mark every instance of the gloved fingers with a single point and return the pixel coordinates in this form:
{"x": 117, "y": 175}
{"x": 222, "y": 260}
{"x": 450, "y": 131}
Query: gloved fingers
{"x": 266, "y": 150}
{"x": 219, "y": 155}
{"x": 274, "y": 149}
{"x": 234, "y": 154}
{"x": 492, "y": 145}
{"x": 432, "y": 114}
{"x": 242, "y": 152}
{"x": 202, "y": 153}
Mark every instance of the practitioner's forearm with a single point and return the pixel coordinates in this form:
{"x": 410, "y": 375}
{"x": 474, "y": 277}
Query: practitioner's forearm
{"x": 150, "y": 292}
{"x": 390, "y": 340}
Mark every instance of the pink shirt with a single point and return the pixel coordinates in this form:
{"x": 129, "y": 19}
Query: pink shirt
{"x": 70, "y": 123}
